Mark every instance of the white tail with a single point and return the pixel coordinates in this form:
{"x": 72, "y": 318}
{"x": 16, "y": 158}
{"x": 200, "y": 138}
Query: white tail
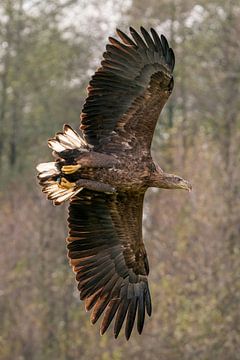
{"x": 66, "y": 140}
{"x": 57, "y": 193}
{"x": 47, "y": 170}
{"x": 57, "y": 188}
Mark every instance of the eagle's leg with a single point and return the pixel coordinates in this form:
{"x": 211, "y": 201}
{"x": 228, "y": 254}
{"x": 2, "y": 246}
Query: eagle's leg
{"x": 95, "y": 186}
{"x": 87, "y": 184}
{"x": 90, "y": 160}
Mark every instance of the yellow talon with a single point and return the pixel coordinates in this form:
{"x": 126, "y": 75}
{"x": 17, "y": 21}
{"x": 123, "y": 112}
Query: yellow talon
{"x": 65, "y": 184}
{"x": 70, "y": 169}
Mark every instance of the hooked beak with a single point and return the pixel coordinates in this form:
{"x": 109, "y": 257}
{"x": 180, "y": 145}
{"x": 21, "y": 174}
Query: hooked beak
{"x": 186, "y": 185}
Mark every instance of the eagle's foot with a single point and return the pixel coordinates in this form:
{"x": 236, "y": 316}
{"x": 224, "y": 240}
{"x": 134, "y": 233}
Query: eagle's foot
{"x": 65, "y": 184}
{"x": 70, "y": 169}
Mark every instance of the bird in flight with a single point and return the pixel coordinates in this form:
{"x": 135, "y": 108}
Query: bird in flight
{"x": 105, "y": 171}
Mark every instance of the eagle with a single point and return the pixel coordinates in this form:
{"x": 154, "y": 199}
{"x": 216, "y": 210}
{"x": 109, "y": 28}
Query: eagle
{"x": 104, "y": 172}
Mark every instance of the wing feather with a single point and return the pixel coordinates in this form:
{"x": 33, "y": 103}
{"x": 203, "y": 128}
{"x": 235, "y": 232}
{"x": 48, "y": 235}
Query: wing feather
{"x": 131, "y": 316}
{"x": 109, "y": 314}
{"x": 126, "y": 39}
{"x": 148, "y": 39}
{"x": 141, "y": 312}
{"x": 128, "y": 91}
{"x": 121, "y": 314}
{"x": 138, "y": 40}
{"x": 103, "y": 246}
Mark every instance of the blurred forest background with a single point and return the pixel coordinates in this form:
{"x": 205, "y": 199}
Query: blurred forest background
{"x": 48, "y": 50}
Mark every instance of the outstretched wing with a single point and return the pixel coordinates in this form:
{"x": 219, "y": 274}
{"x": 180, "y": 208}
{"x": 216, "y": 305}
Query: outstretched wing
{"x": 107, "y": 253}
{"x": 127, "y": 93}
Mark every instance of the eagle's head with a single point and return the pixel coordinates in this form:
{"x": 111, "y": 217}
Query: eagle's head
{"x": 176, "y": 182}
{"x": 164, "y": 180}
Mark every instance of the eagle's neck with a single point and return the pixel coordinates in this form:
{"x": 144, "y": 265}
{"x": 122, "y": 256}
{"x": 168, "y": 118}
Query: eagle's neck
{"x": 161, "y": 180}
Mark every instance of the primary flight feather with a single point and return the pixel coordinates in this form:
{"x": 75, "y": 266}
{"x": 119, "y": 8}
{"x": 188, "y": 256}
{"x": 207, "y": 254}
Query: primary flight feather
{"x": 105, "y": 173}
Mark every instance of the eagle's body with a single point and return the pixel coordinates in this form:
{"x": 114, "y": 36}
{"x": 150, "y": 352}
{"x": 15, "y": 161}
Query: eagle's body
{"x": 106, "y": 173}
{"x": 124, "y": 173}
{"x": 121, "y": 172}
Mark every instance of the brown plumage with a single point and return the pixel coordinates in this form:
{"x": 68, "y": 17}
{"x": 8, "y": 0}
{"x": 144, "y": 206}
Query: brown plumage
{"x": 106, "y": 173}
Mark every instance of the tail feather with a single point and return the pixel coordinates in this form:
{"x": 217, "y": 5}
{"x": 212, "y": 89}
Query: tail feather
{"x": 57, "y": 193}
{"x": 64, "y": 144}
{"x": 47, "y": 170}
{"x": 56, "y": 145}
{"x": 73, "y": 135}
{"x": 66, "y": 140}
